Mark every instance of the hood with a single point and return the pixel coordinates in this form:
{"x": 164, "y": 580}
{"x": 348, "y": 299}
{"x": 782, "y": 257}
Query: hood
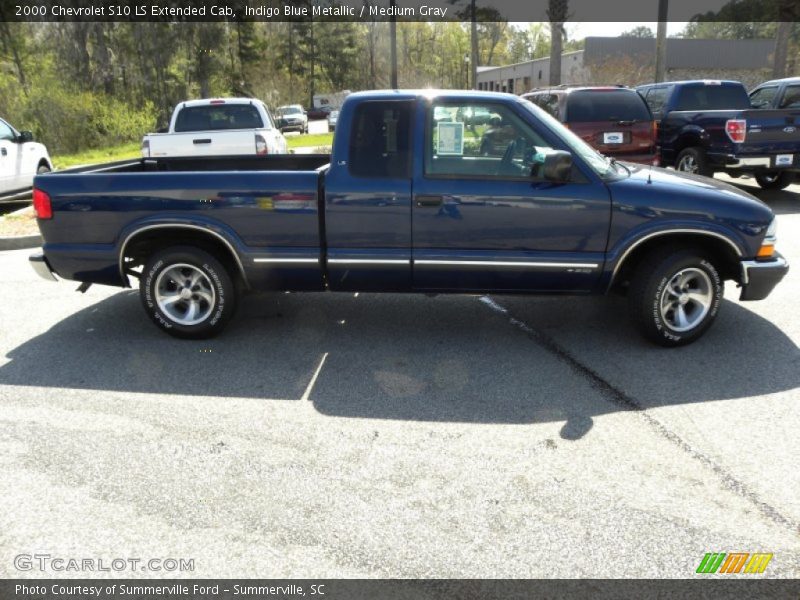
{"x": 680, "y": 187}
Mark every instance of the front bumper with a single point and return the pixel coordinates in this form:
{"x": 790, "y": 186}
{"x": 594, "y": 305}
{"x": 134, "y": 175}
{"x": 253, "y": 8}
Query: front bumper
{"x": 759, "y": 278}
{"x": 42, "y": 267}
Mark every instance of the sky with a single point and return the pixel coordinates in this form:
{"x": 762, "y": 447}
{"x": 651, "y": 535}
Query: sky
{"x": 578, "y": 30}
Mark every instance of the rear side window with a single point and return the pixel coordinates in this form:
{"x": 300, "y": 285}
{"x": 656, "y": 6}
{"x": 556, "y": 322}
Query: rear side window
{"x": 548, "y": 102}
{"x": 616, "y": 105}
{"x": 713, "y": 97}
{"x": 380, "y": 140}
{"x": 216, "y": 117}
{"x": 763, "y": 97}
{"x": 656, "y": 98}
{"x": 791, "y": 97}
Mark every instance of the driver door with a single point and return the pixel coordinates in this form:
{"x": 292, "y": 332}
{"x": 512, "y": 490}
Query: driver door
{"x": 483, "y": 216}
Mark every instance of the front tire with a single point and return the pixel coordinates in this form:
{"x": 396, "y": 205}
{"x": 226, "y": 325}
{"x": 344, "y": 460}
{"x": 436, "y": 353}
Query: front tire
{"x": 775, "y": 180}
{"x": 43, "y": 168}
{"x": 693, "y": 160}
{"x": 675, "y": 296}
{"x": 187, "y": 292}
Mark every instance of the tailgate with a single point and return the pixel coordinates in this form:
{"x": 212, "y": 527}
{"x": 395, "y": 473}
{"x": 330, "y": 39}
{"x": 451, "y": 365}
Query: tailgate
{"x": 204, "y": 143}
{"x": 776, "y": 129}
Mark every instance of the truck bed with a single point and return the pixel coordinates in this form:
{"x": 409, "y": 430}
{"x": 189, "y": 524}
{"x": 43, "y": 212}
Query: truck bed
{"x": 264, "y": 206}
{"x": 275, "y": 162}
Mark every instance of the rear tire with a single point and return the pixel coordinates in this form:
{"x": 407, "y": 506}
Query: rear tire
{"x": 774, "y": 180}
{"x": 674, "y": 296}
{"x": 693, "y": 160}
{"x": 187, "y": 292}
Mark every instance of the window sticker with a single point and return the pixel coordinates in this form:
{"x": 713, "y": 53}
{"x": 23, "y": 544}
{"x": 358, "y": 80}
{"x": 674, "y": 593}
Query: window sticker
{"x": 450, "y": 139}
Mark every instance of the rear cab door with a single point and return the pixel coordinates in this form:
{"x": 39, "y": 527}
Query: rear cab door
{"x": 368, "y": 197}
{"x": 484, "y": 219}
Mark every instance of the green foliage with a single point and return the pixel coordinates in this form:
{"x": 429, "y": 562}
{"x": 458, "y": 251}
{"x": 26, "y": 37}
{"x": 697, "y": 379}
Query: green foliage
{"x": 641, "y": 31}
{"x": 68, "y": 121}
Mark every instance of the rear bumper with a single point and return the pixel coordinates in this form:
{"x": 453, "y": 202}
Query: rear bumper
{"x": 758, "y": 279}
{"x": 42, "y": 267}
{"x": 752, "y": 163}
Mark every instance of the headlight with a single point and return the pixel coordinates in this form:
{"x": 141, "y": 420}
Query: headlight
{"x": 772, "y": 230}
{"x": 767, "y": 249}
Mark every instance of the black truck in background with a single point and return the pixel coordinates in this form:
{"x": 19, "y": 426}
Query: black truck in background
{"x": 711, "y": 126}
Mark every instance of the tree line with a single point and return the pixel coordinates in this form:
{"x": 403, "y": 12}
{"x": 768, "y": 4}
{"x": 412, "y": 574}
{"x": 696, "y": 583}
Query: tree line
{"x": 81, "y": 85}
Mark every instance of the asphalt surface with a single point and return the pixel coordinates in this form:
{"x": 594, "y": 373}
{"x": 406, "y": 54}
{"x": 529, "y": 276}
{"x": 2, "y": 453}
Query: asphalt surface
{"x": 399, "y": 436}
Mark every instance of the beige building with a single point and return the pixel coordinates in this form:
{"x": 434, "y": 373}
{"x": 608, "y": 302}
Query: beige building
{"x": 631, "y": 61}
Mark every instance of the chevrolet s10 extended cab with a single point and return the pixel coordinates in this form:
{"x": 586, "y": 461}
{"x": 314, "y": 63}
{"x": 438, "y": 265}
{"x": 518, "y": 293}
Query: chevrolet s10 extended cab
{"x": 410, "y": 202}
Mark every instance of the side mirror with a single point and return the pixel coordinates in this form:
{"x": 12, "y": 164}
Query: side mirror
{"x": 25, "y": 136}
{"x": 162, "y": 130}
{"x": 557, "y": 166}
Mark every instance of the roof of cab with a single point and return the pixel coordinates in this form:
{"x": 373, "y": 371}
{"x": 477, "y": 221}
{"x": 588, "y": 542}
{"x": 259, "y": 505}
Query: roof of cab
{"x": 209, "y": 101}
{"x": 429, "y": 93}
{"x": 691, "y": 82}
{"x": 780, "y": 81}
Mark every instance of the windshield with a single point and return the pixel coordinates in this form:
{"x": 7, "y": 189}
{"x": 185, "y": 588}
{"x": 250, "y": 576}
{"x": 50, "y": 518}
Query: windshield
{"x": 289, "y": 110}
{"x": 604, "y": 167}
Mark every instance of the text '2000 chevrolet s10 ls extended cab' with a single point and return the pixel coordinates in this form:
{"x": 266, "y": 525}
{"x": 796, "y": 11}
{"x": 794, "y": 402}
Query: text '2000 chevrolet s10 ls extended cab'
{"x": 410, "y": 202}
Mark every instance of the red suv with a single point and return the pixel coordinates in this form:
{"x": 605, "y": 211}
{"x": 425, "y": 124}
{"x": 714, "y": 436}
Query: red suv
{"x": 614, "y": 120}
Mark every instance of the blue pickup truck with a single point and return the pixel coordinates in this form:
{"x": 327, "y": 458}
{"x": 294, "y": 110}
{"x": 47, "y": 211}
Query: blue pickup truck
{"x": 710, "y": 126}
{"x": 409, "y": 201}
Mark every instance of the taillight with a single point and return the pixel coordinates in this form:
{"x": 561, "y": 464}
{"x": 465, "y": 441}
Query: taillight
{"x": 146, "y": 148}
{"x": 41, "y": 204}
{"x": 261, "y": 145}
{"x": 736, "y": 130}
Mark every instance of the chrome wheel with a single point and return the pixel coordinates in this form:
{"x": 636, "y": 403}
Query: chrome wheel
{"x": 184, "y": 294}
{"x": 686, "y": 299}
{"x": 688, "y": 164}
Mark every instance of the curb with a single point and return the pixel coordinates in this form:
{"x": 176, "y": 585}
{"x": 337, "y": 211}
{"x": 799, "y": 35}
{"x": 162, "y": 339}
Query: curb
{"x": 20, "y": 242}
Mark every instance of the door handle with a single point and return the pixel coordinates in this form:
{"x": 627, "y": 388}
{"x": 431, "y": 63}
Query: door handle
{"x": 204, "y": 141}
{"x": 424, "y": 201}
{"x": 4, "y": 152}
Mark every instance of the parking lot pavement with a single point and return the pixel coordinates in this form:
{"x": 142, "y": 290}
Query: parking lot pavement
{"x": 399, "y": 436}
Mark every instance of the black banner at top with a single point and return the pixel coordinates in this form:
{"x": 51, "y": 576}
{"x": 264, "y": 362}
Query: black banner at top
{"x": 401, "y": 10}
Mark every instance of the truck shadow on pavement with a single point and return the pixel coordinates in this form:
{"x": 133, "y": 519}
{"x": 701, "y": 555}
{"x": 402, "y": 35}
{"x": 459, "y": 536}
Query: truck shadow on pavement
{"x": 448, "y": 359}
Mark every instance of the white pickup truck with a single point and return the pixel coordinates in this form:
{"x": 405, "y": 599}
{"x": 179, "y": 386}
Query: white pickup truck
{"x": 217, "y": 127}
{"x": 21, "y": 159}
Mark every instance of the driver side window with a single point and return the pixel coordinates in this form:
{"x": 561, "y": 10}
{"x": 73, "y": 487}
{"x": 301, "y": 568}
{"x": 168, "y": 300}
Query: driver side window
{"x": 485, "y": 140}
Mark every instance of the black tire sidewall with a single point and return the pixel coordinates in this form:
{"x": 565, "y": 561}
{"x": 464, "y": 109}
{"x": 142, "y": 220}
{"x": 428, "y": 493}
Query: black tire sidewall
{"x": 700, "y": 159}
{"x": 650, "y": 316}
{"x": 225, "y": 293}
{"x": 782, "y": 181}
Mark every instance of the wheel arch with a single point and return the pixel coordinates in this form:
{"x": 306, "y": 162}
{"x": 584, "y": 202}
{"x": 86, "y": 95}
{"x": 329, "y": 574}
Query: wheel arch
{"x": 725, "y": 253}
{"x": 143, "y": 241}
